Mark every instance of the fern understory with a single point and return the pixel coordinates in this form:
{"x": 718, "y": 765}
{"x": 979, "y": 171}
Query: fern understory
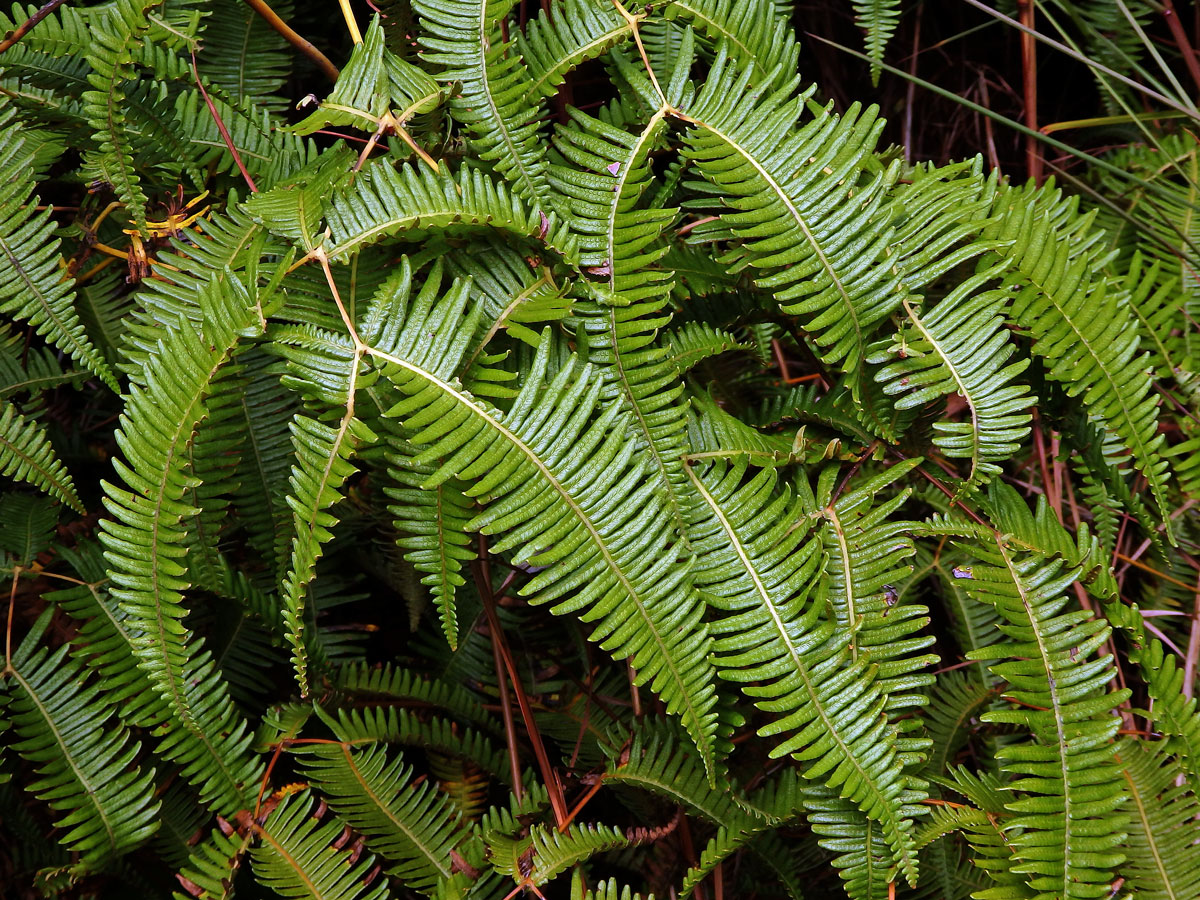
{"x": 562, "y": 455}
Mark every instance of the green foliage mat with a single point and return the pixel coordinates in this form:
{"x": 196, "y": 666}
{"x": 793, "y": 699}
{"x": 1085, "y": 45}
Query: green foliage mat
{"x": 448, "y": 491}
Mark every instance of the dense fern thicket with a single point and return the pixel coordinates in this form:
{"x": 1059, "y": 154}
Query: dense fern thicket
{"x": 563, "y": 455}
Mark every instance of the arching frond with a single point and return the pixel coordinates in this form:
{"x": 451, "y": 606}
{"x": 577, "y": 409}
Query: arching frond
{"x": 1079, "y": 325}
{"x": 494, "y": 102}
{"x": 1067, "y": 786}
{"x": 961, "y": 347}
{"x": 760, "y": 570}
{"x": 31, "y": 287}
{"x": 295, "y": 855}
{"x": 87, "y": 769}
{"x": 412, "y": 826}
{"x": 27, "y": 455}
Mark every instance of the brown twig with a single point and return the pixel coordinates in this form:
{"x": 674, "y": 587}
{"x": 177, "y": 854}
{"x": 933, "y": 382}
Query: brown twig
{"x": 1033, "y": 153}
{"x": 25, "y": 27}
{"x": 483, "y": 577}
{"x": 558, "y": 803}
{"x": 212, "y": 110}
{"x": 1193, "y": 648}
{"x": 301, "y": 44}
{"x": 1181, "y": 40}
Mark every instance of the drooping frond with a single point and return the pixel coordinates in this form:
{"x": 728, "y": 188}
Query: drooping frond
{"x": 32, "y": 288}
{"x": 412, "y": 826}
{"x": 1067, "y": 787}
{"x": 27, "y": 455}
{"x": 298, "y": 855}
{"x": 433, "y": 530}
{"x": 568, "y": 495}
{"x": 495, "y": 100}
{"x": 323, "y": 463}
{"x": 1078, "y": 323}
{"x": 564, "y": 36}
{"x": 144, "y": 542}
{"x": 759, "y": 569}
{"x": 878, "y": 20}
{"x": 815, "y": 232}
{"x": 389, "y": 201}
{"x": 961, "y": 347}
{"x": 86, "y": 767}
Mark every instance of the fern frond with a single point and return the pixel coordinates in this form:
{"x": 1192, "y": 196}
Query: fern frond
{"x": 144, "y": 543}
{"x": 1164, "y": 860}
{"x": 1068, "y": 789}
{"x": 376, "y": 89}
{"x": 244, "y": 56}
{"x": 757, "y": 567}
{"x": 298, "y": 855}
{"x": 213, "y": 865}
{"x": 113, "y": 35}
{"x": 547, "y": 852}
{"x": 32, "y": 288}
{"x": 961, "y": 347}
{"x": 878, "y": 20}
{"x": 817, "y": 235}
{"x": 1078, "y": 324}
{"x": 565, "y": 36}
{"x": 27, "y": 455}
{"x": 432, "y": 525}
{"x": 389, "y": 201}
{"x": 323, "y": 463}
{"x": 494, "y": 101}
{"x": 754, "y": 32}
{"x": 86, "y": 769}
{"x": 567, "y": 495}
{"x": 410, "y": 825}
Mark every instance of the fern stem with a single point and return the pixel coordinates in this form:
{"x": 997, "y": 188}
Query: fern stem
{"x": 28, "y": 25}
{"x": 301, "y": 44}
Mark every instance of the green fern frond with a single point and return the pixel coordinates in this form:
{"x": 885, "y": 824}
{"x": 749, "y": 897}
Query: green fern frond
{"x": 410, "y": 825}
{"x": 1164, "y": 860}
{"x": 389, "y": 201}
{"x": 961, "y": 347}
{"x": 297, "y": 855}
{"x": 374, "y": 90}
{"x": 1067, "y": 787}
{"x": 753, "y": 31}
{"x": 32, "y": 288}
{"x": 27, "y": 455}
{"x": 323, "y": 463}
{"x": 213, "y": 865}
{"x": 432, "y": 525}
{"x": 565, "y": 36}
{"x": 547, "y": 852}
{"x": 1078, "y": 324}
{"x": 573, "y": 513}
{"x": 806, "y": 222}
{"x": 113, "y": 37}
{"x": 757, "y": 566}
{"x": 494, "y": 100}
{"x": 878, "y": 20}
{"x": 86, "y": 768}
{"x": 244, "y": 56}
{"x": 144, "y": 543}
